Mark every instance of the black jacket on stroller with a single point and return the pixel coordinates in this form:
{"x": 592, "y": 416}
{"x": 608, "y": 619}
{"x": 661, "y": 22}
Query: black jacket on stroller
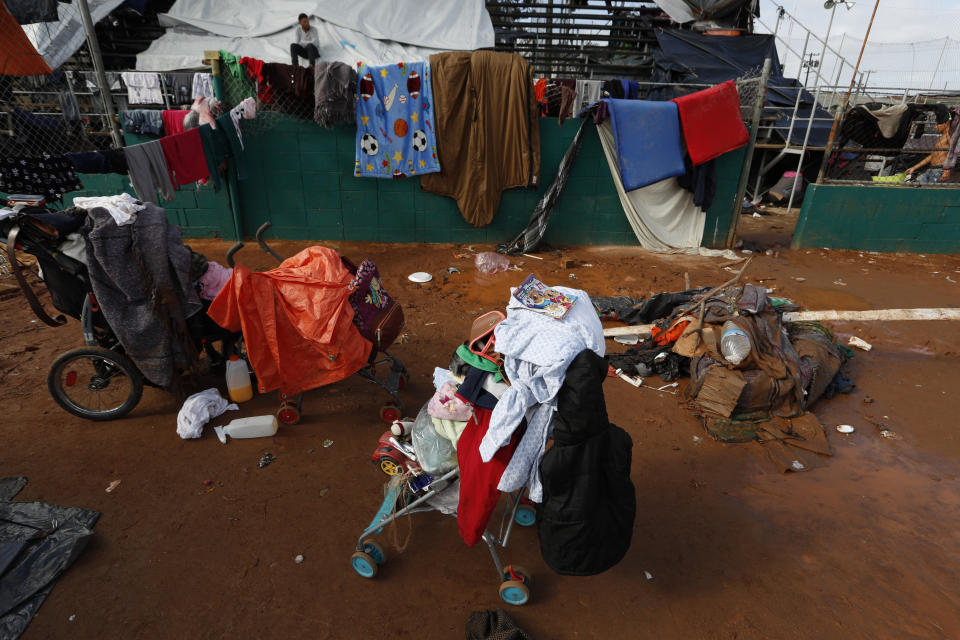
{"x": 586, "y": 518}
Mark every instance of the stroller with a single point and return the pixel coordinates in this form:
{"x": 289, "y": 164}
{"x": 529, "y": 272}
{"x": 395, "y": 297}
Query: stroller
{"x": 97, "y": 381}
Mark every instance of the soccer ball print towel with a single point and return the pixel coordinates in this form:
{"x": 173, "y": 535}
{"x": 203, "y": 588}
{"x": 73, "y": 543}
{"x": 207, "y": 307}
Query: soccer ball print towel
{"x": 395, "y": 134}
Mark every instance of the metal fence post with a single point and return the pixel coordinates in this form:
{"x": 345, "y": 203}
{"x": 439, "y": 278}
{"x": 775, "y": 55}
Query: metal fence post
{"x": 94, "y": 45}
{"x": 748, "y": 158}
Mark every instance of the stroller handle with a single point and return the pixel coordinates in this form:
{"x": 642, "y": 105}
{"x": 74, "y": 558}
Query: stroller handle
{"x": 263, "y": 243}
{"x": 236, "y": 247}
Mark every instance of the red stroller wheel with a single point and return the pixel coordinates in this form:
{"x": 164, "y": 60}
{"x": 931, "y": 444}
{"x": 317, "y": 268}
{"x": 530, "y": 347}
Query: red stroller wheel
{"x": 389, "y": 413}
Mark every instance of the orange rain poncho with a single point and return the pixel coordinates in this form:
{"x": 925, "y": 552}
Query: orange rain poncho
{"x": 297, "y": 321}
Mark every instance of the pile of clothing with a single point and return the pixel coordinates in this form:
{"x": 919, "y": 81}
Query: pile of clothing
{"x": 522, "y": 379}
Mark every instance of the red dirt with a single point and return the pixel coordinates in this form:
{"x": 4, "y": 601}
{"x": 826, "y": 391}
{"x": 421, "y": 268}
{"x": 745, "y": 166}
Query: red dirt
{"x": 866, "y": 546}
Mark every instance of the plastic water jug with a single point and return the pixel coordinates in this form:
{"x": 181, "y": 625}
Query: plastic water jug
{"x": 252, "y": 427}
{"x": 238, "y": 380}
{"x": 734, "y": 343}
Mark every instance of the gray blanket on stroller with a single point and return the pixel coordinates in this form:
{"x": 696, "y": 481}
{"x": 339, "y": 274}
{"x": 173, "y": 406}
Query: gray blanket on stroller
{"x": 140, "y": 274}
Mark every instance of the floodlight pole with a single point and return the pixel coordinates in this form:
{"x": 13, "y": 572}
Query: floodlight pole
{"x": 846, "y": 101}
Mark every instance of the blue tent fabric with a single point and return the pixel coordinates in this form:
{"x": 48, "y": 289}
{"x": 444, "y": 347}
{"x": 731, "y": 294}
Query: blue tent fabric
{"x": 699, "y": 59}
{"x": 647, "y": 135}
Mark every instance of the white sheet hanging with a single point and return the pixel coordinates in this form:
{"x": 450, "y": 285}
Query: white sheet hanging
{"x": 57, "y": 41}
{"x": 369, "y": 31}
{"x": 662, "y": 214}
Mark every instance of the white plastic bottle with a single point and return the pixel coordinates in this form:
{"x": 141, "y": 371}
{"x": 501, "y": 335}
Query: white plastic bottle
{"x": 734, "y": 343}
{"x": 238, "y": 380}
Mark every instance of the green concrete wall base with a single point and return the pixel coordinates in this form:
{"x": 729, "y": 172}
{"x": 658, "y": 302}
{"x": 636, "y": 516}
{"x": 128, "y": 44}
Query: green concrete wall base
{"x": 874, "y": 218}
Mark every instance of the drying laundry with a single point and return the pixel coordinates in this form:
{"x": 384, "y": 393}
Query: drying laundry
{"x": 537, "y": 350}
{"x": 49, "y": 176}
{"x": 396, "y": 131}
{"x": 335, "y": 93}
{"x": 185, "y": 158}
{"x": 143, "y": 88}
{"x": 149, "y": 172}
{"x": 488, "y": 130}
{"x": 247, "y": 110}
{"x": 149, "y": 122}
{"x": 88, "y": 162}
{"x": 297, "y": 321}
{"x": 254, "y": 69}
{"x": 202, "y": 85}
{"x": 123, "y": 207}
{"x": 173, "y": 121}
{"x": 588, "y": 92}
{"x": 647, "y": 139}
{"x": 712, "y": 123}
{"x": 291, "y": 86}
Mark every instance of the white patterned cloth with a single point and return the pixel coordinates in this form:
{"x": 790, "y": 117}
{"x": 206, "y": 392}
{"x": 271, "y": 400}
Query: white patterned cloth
{"x": 537, "y": 350}
{"x": 588, "y": 92}
{"x": 123, "y": 207}
{"x": 202, "y": 85}
{"x": 142, "y": 88}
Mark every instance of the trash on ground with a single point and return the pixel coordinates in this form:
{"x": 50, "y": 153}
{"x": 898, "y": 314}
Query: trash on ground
{"x": 453, "y": 270}
{"x": 799, "y": 278}
{"x": 867, "y": 399}
{"x": 648, "y": 575}
{"x": 113, "y": 485}
{"x": 845, "y": 428}
{"x": 199, "y": 409}
{"x": 298, "y": 559}
{"x": 265, "y": 460}
{"x": 532, "y": 256}
{"x": 489, "y": 263}
{"x": 631, "y": 340}
{"x": 634, "y": 380}
{"x": 859, "y": 343}
{"x": 796, "y": 465}
{"x": 886, "y": 433}
{"x": 840, "y": 283}
{"x": 252, "y": 427}
{"x": 420, "y": 277}
{"x": 573, "y": 277}
{"x": 327, "y": 444}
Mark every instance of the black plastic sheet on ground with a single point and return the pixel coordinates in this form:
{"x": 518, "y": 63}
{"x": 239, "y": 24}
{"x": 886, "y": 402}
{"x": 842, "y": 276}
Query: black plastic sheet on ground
{"x": 38, "y": 542}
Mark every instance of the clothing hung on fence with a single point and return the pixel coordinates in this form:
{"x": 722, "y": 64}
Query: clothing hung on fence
{"x": 537, "y": 350}
{"x": 173, "y": 121}
{"x": 701, "y": 181}
{"x": 149, "y": 172}
{"x": 396, "y": 135}
{"x": 585, "y": 522}
{"x": 662, "y": 215}
{"x": 711, "y": 121}
{"x": 292, "y": 88}
{"x": 488, "y": 130}
{"x": 88, "y": 162}
{"x": 335, "y": 94}
{"x": 46, "y": 175}
{"x": 148, "y": 122}
{"x": 142, "y": 88}
{"x": 202, "y": 85}
{"x": 140, "y": 275}
{"x": 647, "y": 137}
{"x": 254, "y": 69}
{"x": 588, "y": 92}
{"x": 236, "y": 84}
{"x": 185, "y": 158}
{"x": 181, "y": 85}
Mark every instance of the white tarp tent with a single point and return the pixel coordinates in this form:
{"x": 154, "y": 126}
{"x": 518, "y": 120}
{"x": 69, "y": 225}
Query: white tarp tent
{"x": 57, "y": 41}
{"x": 370, "y": 31}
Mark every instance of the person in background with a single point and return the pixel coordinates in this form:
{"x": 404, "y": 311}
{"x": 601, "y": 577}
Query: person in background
{"x": 935, "y": 172}
{"x": 306, "y": 42}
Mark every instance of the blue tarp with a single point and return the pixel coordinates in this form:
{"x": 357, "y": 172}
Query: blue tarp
{"x": 689, "y": 57}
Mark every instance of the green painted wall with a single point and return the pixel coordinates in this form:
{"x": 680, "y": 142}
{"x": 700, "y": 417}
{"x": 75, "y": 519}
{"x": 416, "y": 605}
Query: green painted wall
{"x": 301, "y": 180}
{"x": 874, "y": 218}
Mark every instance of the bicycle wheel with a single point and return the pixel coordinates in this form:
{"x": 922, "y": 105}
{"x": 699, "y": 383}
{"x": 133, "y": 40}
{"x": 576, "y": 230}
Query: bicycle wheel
{"x": 95, "y": 383}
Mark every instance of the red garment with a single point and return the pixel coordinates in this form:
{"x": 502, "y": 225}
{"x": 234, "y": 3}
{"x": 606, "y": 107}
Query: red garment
{"x": 173, "y": 121}
{"x": 297, "y": 321}
{"x": 479, "y": 479}
{"x": 669, "y": 336}
{"x": 184, "y": 155}
{"x": 254, "y": 69}
{"x": 711, "y": 121}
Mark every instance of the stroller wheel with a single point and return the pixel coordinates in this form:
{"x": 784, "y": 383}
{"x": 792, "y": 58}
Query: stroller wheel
{"x": 373, "y": 549}
{"x": 389, "y": 413}
{"x": 363, "y": 564}
{"x": 389, "y": 466}
{"x": 95, "y": 383}
{"x": 516, "y": 573}
{"x": 526, "y": 516}
{"x": 514, "y": 592}
{"x": 288, "y": 414}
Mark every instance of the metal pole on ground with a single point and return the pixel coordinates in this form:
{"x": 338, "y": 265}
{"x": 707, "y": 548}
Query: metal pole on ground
{"x": 748, "y": 158}
{"x": 94, "y": 45}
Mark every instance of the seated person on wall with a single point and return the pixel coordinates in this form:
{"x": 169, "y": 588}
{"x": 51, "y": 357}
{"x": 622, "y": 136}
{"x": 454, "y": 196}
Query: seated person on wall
{"x": 935, "y": 172}
{"x": 306, "y": 43}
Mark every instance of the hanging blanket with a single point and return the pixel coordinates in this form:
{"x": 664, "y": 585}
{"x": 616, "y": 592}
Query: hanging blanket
{"x": 647, "y": 137}
{"x": 712, "y": 124}
{"x": 395, "y": 132}
{"x": 297, "y": 321}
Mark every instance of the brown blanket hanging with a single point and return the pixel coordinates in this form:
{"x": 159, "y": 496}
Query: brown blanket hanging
{"x": 488, "y": 136}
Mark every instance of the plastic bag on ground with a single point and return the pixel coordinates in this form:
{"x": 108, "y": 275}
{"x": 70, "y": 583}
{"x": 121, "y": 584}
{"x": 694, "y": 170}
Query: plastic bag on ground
{"x": 199, "y": 409}
{"x": 435, "y": 453}
{"x": 489, "y": 262}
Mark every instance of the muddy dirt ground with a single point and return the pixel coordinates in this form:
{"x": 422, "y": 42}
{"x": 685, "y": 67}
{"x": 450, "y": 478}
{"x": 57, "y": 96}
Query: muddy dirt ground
{"x": 865, "y": 546}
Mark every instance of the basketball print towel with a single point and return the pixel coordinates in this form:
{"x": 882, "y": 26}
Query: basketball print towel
{"x": 395, "y": 134}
